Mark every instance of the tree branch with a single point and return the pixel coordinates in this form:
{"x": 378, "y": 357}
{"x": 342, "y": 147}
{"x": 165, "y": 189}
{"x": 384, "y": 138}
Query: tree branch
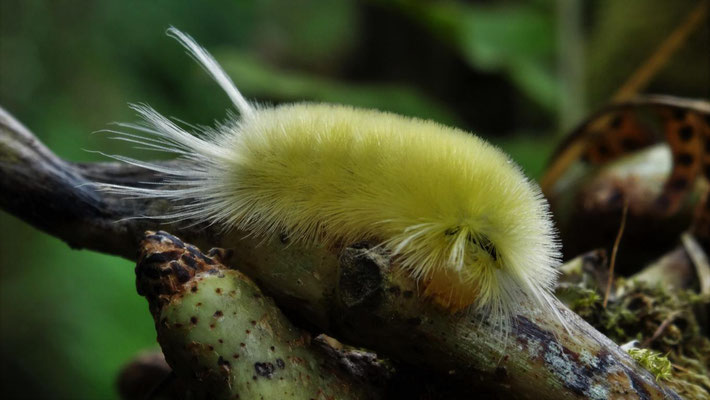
{"x": 224, "y": 338}
{"x": 355, "y": 293}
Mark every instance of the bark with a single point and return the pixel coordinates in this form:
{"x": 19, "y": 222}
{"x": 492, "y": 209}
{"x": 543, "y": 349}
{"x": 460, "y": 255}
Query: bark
{"x": 226, "y": 340}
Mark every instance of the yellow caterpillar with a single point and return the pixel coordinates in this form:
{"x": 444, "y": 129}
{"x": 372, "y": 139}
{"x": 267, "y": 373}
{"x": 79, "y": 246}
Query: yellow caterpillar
{"x": 454, "y": 211}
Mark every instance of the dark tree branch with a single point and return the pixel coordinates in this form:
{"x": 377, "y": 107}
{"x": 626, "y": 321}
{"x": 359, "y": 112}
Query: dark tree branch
{"x": 353, "y": 293}
{"x": 59, "y": 197}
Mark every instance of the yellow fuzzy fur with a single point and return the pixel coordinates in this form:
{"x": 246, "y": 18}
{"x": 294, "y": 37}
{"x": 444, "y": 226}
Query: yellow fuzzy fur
{"x": 453, "y": 210}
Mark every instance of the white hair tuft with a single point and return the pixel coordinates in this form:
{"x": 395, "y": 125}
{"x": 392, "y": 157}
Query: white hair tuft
{"x": 208, "y": 62}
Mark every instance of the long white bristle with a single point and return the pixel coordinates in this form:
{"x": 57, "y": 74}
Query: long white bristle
{"x": 210, "y": 65}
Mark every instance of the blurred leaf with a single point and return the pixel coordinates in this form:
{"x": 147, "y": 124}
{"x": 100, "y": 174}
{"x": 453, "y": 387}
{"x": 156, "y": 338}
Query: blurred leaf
{"x": 258, "y": 79}
{"x": 515, "y": 38}
{"x": 623, "y": 34}
{"x": 70, "y": 319}
{"x": 530, "y": 151}
{"x": 309, "y": 33}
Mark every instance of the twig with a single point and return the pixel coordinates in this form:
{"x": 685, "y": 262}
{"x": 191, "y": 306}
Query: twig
{"x": 614, "y": 250}
{"x": 641, "y": 77}
{"x": 700, "y": 261}
{"x": 224, "y": 338}
{"x": 660, "y": 329}
{"x": 679, "y": 368}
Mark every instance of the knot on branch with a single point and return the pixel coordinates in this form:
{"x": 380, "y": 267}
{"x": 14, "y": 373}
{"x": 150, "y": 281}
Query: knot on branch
{"x": 361, "y": 275}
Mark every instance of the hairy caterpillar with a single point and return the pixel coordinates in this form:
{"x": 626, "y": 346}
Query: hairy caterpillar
{"x": 453, "y": 210}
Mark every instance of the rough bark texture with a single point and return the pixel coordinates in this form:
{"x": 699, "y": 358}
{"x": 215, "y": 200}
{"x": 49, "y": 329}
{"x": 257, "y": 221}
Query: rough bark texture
{"x": 355, "y": 292}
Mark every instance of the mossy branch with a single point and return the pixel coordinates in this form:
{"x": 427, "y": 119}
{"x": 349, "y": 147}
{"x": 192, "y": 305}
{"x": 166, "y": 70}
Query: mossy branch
{"x": 355, "y": 293}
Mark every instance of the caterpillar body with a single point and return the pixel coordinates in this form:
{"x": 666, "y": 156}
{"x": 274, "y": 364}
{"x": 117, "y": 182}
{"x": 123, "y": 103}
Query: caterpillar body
{"x": 454, "y": 211}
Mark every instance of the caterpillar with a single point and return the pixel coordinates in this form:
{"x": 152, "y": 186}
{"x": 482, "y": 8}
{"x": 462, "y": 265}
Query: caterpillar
{"x": 454, "y": 211}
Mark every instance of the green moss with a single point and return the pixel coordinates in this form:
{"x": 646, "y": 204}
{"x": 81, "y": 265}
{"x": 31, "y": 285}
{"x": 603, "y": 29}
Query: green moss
{"x": 581, "y": 300}
{"x": 657, "y": 364}
{"x": 638, "y": 313}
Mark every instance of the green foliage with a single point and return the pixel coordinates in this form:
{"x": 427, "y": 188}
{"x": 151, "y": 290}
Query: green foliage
{"x": 68, "y": 320}
{"x": 265, "y": 81}
{"x": 516, "y": 38}
{"x": 647, "y": 24}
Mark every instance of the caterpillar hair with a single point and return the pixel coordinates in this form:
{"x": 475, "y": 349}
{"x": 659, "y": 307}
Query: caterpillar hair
{"x": 454, "y": 211}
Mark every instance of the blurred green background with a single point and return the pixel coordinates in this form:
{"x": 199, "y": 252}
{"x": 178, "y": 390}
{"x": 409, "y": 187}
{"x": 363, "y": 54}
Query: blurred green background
{"x": 515, "y": 72}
